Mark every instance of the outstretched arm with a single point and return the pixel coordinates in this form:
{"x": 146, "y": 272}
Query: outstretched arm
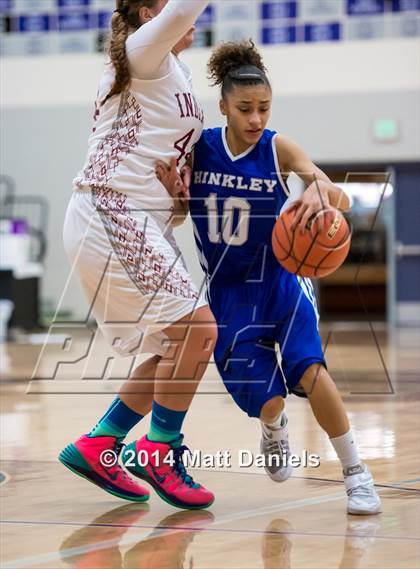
{"x": 320, "y": 192}
{"x": 148, "y": 47}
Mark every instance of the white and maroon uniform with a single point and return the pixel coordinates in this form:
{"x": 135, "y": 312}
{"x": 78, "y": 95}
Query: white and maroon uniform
{"x": 117, "y": 229}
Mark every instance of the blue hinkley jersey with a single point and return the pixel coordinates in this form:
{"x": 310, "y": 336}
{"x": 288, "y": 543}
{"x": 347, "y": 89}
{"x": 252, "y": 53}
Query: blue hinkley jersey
{"x": 257, "y": 304}
{"x": 235, "y": 201}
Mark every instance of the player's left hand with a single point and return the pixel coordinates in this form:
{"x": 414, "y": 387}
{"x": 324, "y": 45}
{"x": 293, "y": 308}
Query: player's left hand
{"x": 175, "y": 183}
{"x": 314, "y": 200}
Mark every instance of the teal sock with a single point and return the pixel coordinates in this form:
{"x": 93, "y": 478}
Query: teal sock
{"x": 117, "y": 421}
{"x": 166, "y": 424}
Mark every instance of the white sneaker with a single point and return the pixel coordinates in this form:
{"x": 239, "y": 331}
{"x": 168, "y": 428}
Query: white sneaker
{"x": 362, "y": 496}
{"x": 275, "y": 448}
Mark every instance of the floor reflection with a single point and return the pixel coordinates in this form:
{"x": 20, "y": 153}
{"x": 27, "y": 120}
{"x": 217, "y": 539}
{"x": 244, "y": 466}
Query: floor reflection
{"x": 277, "y": 542}
{"x": 100, "y": 544}
{"x": 360, "y": 536}
{"x": 277, "y": 545}
{"x": 167, "y": 546}
{"x": 97, "y": 545}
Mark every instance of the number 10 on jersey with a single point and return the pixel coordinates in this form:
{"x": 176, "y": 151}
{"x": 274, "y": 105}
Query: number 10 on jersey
{"x": 221, "y": 227}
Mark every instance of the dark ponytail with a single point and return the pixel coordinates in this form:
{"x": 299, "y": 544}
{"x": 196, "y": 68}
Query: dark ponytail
{"x": 125, "y": 20}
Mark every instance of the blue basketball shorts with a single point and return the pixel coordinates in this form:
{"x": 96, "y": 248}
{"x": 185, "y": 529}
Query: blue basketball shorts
{"x": 255, "y": 317}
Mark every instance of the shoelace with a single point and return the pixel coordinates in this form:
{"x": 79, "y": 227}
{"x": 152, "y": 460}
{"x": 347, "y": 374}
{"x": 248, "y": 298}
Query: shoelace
{"x": 273, "y": 446}
{"x": 361, "y": 490}
{"x": 118, "y": 448}
{"x": 179, "y": 467}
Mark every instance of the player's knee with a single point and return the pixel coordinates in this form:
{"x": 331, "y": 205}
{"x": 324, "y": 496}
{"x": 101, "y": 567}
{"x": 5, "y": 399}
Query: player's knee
{"x": 314, "y": 373}
{"x": 271, "y": 409}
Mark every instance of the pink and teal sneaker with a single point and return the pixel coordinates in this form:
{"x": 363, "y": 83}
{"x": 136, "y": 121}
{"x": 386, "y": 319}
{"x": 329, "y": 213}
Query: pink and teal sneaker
{"x": 96, "y": 459}
{"x": 168, "y": 477}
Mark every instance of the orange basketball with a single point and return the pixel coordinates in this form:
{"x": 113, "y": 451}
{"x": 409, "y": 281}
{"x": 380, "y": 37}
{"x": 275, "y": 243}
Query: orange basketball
{"x": 319, "y": 251}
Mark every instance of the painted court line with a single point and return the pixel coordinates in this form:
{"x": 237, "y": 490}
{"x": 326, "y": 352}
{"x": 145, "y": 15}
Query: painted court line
{"x": 162, "y": 531}
{"x": 168, "y": 530}
{"x": 245, "y": 514}
{"x": 49, "y": 557}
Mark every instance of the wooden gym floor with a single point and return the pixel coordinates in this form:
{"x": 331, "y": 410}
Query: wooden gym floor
{"x": 54, "y": 519}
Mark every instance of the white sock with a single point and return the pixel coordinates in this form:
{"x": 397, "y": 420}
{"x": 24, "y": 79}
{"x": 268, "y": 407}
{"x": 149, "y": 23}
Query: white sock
{"x": 278, "y": 423}
{"x": 346, "y": 450}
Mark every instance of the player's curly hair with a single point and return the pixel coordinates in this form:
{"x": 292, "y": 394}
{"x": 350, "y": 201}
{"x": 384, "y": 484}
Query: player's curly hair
{"x": 237, "y": 63}
{"x": 125, "y": 20}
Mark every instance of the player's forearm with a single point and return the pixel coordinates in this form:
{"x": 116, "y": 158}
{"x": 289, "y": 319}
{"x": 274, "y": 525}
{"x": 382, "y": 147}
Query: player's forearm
{"x": 180, "y": 212}
{"x": 151, "y": 43}
{"x": 186, "y": 12}
{"x": 338, "y": 198}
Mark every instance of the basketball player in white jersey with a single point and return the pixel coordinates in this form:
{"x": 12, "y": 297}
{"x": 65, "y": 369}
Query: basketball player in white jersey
{"x": 117, "y": 234}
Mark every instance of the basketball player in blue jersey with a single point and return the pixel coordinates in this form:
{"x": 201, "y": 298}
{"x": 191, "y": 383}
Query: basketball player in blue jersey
{"x": 238, "y": 187}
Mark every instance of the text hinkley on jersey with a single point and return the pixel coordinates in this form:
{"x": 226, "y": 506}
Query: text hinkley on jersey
{"x": 234, "y": 182}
